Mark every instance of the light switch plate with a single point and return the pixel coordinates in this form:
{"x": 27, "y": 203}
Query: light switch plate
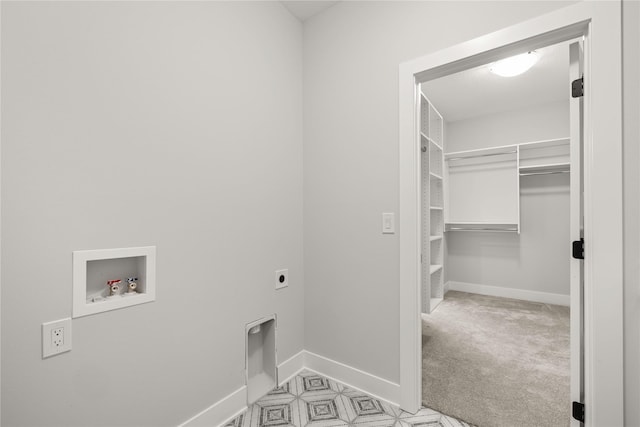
{"x": 56, "y": 337}
{"x": 388, "y": 223}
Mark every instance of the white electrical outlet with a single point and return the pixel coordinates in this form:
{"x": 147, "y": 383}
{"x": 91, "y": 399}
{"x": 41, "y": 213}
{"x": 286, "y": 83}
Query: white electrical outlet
{"x": 56, "y": 337}
{"x": 282, "y": 278}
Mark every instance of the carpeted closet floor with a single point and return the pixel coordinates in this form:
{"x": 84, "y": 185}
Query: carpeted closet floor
{"x": 494, "y": 361}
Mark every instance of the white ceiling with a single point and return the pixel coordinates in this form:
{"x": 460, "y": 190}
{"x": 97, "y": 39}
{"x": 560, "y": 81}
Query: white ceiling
{"x": 477, "y": 91}
{"x": 304, "y": 10}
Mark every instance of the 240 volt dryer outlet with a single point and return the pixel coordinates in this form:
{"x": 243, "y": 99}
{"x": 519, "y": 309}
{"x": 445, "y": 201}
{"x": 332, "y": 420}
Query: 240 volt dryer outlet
{"x": 282, "y": 278}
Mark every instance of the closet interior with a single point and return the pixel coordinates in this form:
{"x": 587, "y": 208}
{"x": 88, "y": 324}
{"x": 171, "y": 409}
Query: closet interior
{"x": 495, "y": 226}
{"x": 478, "y": 170}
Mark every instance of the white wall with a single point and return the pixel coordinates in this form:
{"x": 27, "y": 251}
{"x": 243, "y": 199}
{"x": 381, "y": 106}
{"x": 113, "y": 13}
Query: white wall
{"x": 175, "y": 124}
{"x": 538, "y": 258}
{"x": 351, "y": 162}
{"x": 631, "y": 147}
{"x": 534, "y": 123}
{"x": 96, "y": 86}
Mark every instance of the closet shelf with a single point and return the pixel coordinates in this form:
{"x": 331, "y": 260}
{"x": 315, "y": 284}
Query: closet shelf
{"x": 543, "y": 169}
{"x": 425, "y": 137}
{"x": 545, "y": 143}
{"x": 482, "y": 226}
{"x": 434, "y": 267}
{"x": 434, "y": 238}
{"x": 435, "y": 176}
{"x": 481, "y": 152}
{"x": 435, "y": 208}
{"x": 508, "y": 149}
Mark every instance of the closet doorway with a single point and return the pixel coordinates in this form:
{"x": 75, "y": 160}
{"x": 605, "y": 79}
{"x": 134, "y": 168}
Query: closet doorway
{"x": 497, "y": 218}
{"x": 599, "y": 24}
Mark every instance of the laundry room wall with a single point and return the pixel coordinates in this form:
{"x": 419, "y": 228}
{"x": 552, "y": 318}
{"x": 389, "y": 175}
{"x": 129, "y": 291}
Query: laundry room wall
{"x": 351, "y": 59}
{"x": 174, "y": 124}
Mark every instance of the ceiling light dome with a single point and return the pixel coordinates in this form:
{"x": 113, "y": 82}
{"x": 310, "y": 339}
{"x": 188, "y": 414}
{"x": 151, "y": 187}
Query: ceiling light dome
{"x": 514, "y": 65}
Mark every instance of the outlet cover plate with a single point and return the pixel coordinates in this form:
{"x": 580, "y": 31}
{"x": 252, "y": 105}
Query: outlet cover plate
{"x": 53, "y": 344}
{"x": 282, "y": 278}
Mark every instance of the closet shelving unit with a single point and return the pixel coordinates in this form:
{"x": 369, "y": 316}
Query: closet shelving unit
{"x": 483, "y": 185}
{"x": 544, "y": 157}
{"x": 483, "y": 190}
{"x": 432, "y": 201}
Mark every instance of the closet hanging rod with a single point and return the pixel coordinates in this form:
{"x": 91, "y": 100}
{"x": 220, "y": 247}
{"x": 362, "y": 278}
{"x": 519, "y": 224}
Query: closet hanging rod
{"x": 481, "y": 155}
{"x": 542, "y": 173}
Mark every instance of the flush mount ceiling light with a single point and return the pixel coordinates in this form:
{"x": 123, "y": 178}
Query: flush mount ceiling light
{"x": 514, "y": 65}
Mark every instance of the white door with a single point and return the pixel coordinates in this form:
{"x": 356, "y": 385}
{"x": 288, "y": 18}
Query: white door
{"x": 576, "y": 232}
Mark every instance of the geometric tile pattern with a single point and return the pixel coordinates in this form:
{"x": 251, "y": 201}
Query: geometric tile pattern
{"x": 315, "y": 383}
{"x": 275, "y": 415}
{"x": 311, "y": 400}
{"x": 320, "y": 410}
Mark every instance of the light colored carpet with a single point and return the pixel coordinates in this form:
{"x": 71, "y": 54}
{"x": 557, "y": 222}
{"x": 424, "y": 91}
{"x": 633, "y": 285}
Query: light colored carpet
{"x": 497, "y": 362}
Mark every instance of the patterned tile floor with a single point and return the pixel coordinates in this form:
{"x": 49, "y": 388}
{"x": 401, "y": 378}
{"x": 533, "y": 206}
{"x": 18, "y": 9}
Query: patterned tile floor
{"x": 312, "y": 400}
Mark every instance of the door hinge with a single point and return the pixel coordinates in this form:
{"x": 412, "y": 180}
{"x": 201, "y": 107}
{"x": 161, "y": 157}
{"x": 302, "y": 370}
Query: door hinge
{"x": 577, "y": 249}
{"x": 578, "y": 411}
{"x": 577, "y": 88}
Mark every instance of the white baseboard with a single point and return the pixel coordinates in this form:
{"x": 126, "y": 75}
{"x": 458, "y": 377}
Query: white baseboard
{"x": 234, "y": 404}
{"x": 291, "y": 367}
{"x": 220, "y": 412}
{"x": 496, "y": 291}
{"x": 353, "y": 377}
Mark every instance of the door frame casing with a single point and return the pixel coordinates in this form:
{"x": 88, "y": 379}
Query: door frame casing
{"x": 600, "y": 24}
{"x": 576, "y": 266}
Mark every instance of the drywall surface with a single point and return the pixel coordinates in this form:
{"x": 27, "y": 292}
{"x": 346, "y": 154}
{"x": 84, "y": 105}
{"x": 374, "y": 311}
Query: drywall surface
{"x": 537, "y": 259}
{"x": 631, "y": 176}
{"x": 535, "y": 123}
{"x": 352, "y": 54}
{"x": 174, "y": 124}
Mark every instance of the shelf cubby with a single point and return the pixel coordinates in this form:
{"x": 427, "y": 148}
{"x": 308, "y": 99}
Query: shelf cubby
{"x": 435, "y": 159}
{"x": 437, "y": 288}
{"x": 436, "y": 252}
{"x": 436, "y": 222}
{"x": 435, "y": 125}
